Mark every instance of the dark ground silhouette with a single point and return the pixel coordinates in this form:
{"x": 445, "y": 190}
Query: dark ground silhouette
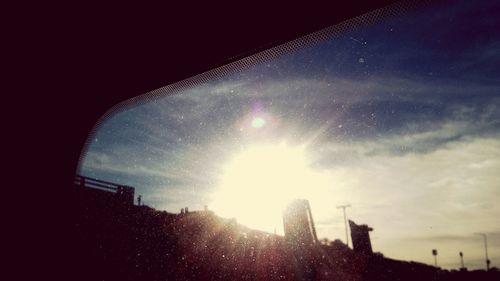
{"x": 116, "y": 241}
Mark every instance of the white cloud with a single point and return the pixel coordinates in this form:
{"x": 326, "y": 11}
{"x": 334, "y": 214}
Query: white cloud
{"x": 452, "y": 190}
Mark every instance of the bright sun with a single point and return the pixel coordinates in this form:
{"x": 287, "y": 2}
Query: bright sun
{"x": 259, "y": 181}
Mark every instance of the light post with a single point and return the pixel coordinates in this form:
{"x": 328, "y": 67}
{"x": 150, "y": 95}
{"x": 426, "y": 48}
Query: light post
{"x": 462, "y": 259}
{"x": 485, "y": 249}
{"x": 435, "y": 253}
{"x": 345, "y": 221}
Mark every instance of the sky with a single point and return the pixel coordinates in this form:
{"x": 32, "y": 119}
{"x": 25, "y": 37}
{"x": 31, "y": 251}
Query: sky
{"x": 399, "y": 118}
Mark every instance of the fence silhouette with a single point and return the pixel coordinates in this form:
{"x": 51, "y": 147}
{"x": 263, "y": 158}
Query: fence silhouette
{"x": 123, "y": 193}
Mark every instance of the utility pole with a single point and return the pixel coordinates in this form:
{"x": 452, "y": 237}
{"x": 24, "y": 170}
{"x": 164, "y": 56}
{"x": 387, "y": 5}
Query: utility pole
{"x": 485, "y": 249}
{"x": 345, "y": 221}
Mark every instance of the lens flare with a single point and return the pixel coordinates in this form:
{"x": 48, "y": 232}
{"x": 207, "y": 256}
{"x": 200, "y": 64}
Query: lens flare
{"x": 258, "y": 122}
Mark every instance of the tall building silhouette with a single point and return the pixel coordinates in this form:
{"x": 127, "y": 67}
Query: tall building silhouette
{"x": 298, "y": 224}
{"x": 360, "y": 237}
{"x": 300, "y": 235}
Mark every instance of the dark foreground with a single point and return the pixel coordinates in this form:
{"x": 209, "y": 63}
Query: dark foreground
{"x": 120, "y": 242}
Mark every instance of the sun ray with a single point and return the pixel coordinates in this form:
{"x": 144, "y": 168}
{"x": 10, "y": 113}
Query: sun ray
{"x": 260, "y": 180}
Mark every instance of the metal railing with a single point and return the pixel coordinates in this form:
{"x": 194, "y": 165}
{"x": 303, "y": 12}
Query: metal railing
{"x": 123, "y": 191}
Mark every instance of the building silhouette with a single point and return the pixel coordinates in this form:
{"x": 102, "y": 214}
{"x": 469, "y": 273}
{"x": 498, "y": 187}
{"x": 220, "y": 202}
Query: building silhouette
{"x": 298, "y": 224}
{"x": 360, "y": 237}
{"x": 300, "y": 236}
{"x": 116, "y": 240}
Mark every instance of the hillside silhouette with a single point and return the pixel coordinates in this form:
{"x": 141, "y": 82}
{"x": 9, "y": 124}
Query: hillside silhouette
{"x": 117, "y": 240}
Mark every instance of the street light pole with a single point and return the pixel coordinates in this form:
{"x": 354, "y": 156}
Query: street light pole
{"x": 461, "y": 259}
{"x": 485, "y": 249}
{"x": 345, "y": 221}
{"x": 435, "y": 253}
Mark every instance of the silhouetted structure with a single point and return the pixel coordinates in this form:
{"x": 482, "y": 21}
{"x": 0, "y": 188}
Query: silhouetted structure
{"x": 126, "y": 194}
{"x": 298, "y": 224}
{"x": 462, "y": 268}
{"x": 485, "y": 237}
{"x": 343, "y": 207}
{"x": 141, "y": 243}
{"x": 300, "y": 236}
{"x": 435, "y": 253}
{"x": 360, "y": 237}
{"x": 121, "y": 193}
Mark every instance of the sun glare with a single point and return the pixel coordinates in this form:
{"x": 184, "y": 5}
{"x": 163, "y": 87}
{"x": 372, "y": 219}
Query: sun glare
{"x": 259, "y": 181}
